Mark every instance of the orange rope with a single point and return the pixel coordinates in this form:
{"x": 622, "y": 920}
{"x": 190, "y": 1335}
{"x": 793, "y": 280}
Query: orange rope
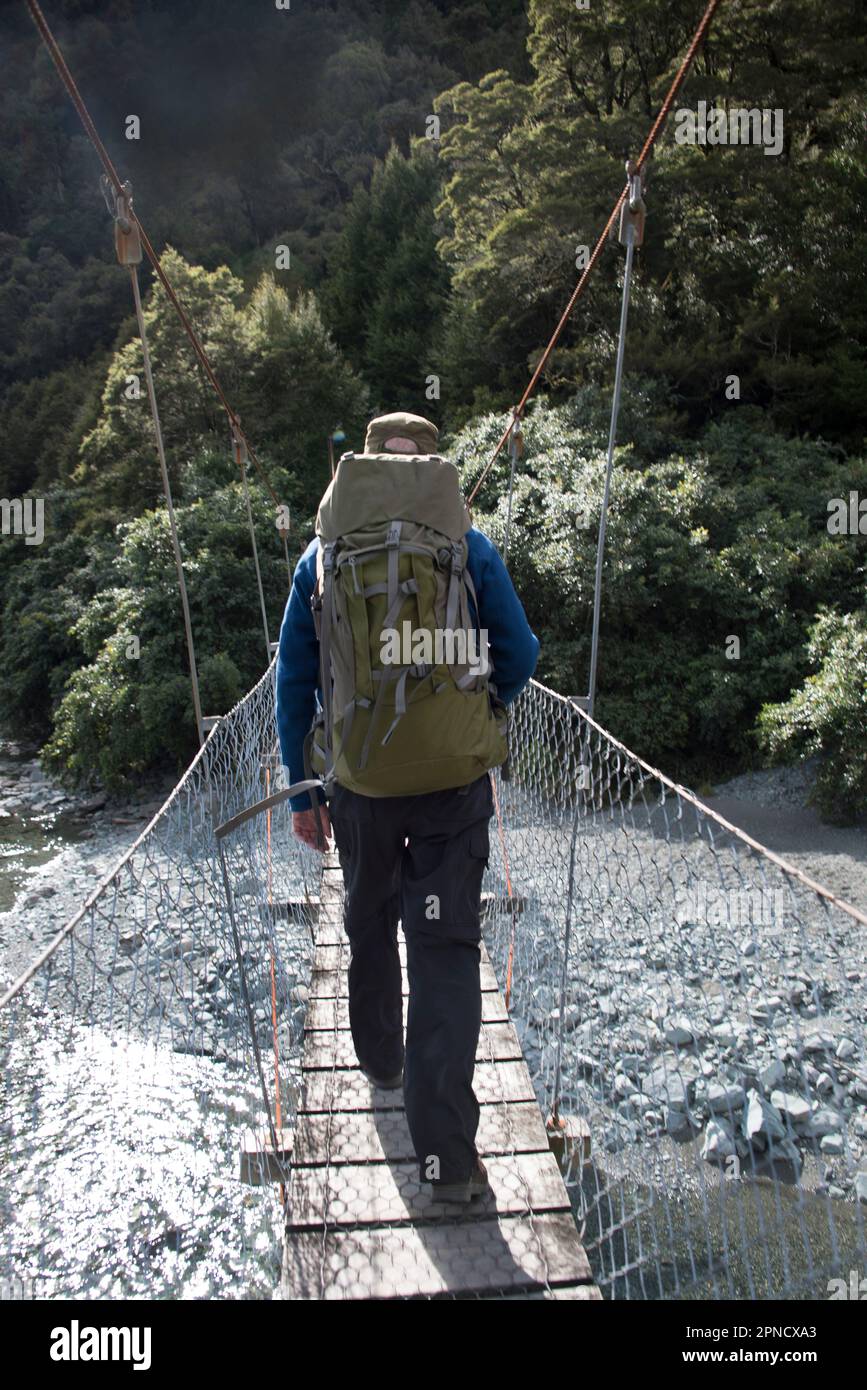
{"x": 277, "y": 1107}
{"x": 508, "y": 991}
{"x": 655, "y": 129}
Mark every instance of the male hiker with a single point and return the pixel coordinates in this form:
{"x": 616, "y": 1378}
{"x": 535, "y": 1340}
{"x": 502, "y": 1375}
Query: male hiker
{"x": 380, "y": 660}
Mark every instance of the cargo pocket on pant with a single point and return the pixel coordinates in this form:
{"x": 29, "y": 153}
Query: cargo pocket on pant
{"x": 474, "y": 849}
{"x": 480, "y": 843}
{"x": 344, "y": 828}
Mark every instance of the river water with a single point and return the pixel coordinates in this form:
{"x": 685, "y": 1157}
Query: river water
{"x": 121, "y": 1171}
{"x": 29, "y": 838}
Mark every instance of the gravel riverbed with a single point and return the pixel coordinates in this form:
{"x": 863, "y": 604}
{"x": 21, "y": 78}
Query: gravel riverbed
{"x": 691, "y": 1048}
{"x": 56, "y": 846}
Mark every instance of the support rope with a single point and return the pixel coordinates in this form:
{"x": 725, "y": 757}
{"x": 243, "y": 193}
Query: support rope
{"x": 241, "y": 460}
{"x": 609, "y": 467}
{"x": 167, "y": 489}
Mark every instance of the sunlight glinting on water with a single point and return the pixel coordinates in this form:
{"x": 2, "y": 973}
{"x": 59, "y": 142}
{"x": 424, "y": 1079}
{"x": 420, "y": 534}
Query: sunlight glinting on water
{"x": 121, "y": 1174}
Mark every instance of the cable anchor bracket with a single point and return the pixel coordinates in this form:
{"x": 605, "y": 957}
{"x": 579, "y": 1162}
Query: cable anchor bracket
{"x": 516, "y": 438}
{"x": 127, "y": 242}
{"x": 634, "y": 209}
{"x": 239, "y": 441}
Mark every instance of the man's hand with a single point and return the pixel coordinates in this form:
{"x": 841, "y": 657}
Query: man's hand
{"x": 312, "y": 827}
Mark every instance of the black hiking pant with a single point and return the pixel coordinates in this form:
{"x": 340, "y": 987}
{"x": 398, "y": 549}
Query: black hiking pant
{"x": 420, "y": 860}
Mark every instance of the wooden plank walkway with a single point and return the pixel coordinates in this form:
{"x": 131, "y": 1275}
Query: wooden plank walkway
{"x": 360, "y": 1225}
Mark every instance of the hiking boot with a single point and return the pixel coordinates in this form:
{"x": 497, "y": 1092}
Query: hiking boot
{"x": 388, "y": 1083}
{"x": 476, "y": 1185}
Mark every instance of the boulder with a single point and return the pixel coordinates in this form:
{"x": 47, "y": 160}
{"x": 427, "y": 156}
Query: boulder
{"x": 679, "y": 1032}
{"x": 831, "y": 1144}
{"x": 787, "y": 1150}
{"x": 761, "y": 1120}
{"x": 718, "y": 1142}
{"x": 676, "y": 1121}
{"x": 668, "y": 1083}
{"x": 824, "y": 1120}
{"x": 724, "y": 1097}
{"x": 772, "y": 1075}
{"x": 796, "y": 1107}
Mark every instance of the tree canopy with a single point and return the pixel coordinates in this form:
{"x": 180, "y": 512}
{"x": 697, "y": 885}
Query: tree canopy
{"x": 384, "y": 205}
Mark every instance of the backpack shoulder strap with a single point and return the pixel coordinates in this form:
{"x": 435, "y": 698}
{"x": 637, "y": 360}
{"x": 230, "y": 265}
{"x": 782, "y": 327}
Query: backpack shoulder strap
{"x": 325, "y": 591}
{"x": 319, "y": 572}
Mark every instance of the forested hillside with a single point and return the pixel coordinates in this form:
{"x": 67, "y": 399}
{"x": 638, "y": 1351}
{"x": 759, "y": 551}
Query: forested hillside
{"x": 433, "y": 170}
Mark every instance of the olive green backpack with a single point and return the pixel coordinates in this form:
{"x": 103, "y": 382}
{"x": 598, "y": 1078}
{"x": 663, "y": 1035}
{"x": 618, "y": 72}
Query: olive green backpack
{"x": 404, "y": 711}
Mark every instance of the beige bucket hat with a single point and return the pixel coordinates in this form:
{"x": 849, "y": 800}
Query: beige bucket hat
{"x": 400, "y": 425}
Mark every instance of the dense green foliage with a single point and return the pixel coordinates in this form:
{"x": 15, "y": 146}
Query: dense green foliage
{"x": 275, "y": 360}
{"x": 428, "y": 267}
{"x": 725, "y": 538}
{"x": 386, "y": 291}
{"x": 751, "y": 262}
{"x": 828, "y": 714}
{"x": 128, "y": 708}
{"x": 105, "y": 571}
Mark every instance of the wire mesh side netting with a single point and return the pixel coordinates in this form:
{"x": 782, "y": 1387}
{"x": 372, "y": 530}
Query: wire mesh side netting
{"x": 691, "y": 1008}
{"x": 133, "y": 1092}
{"x": 694, "y": 1011}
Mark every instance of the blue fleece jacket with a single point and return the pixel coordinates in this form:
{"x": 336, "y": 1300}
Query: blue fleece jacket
{"x": 514, "y": 649}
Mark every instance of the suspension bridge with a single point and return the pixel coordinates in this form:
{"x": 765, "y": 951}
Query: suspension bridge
{"x": 185, "y": 1117}
{"x": 671, "y": 1070}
